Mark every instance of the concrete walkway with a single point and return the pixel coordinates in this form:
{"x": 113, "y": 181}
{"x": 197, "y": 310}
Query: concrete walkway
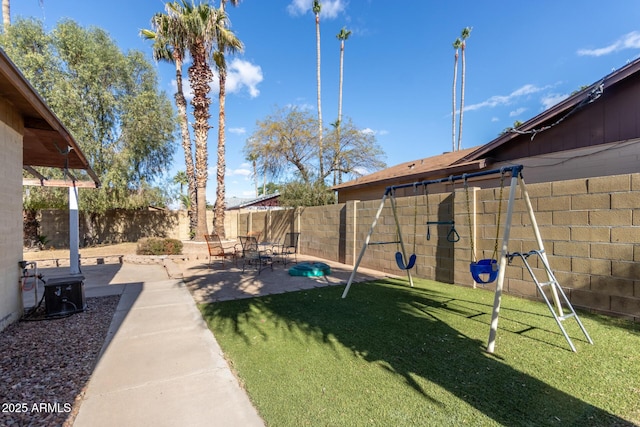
{"x": 160, "y": 365}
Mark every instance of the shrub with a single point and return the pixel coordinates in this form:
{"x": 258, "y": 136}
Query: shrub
{"x": 159, "y": 246}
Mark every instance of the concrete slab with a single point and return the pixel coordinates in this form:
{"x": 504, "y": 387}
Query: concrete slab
{"x": 161, "y": 365}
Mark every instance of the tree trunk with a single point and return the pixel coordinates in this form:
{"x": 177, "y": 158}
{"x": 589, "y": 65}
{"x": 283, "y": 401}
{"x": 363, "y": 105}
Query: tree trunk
{"x": 200, "y": 76}
{"x": 6, "y": 14}
{"x": 220, "y": 206}
{"x": 453, "y": 102}
{"x": 320, "y": 148}
{"x": 181, "y": 104}
{"x": 461, "y": 97}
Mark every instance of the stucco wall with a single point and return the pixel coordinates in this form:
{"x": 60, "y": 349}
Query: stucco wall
{"x": 10, "y": 214}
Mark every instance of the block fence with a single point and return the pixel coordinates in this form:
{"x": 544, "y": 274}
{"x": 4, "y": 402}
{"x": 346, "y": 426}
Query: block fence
{"x": 590, "y": 229}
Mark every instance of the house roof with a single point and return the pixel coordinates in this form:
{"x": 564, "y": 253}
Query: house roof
{"x": 248, "y": 203}
{"x": 46, "y": 142}
{"x": 416, "y": 170}
{"x": 556, "y": 114}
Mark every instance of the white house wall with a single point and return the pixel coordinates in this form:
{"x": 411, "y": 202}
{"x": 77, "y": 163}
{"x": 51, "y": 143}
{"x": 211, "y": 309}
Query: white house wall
{"x": 10, "y": 214}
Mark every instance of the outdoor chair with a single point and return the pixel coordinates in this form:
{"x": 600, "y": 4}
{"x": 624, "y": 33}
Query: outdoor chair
{"x": 218, "y": 250}
{"x": 253, "y": 256}
{"x": 288, "y": 248}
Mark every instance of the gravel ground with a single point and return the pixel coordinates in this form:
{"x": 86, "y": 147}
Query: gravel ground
{"x": 45, "y": 365}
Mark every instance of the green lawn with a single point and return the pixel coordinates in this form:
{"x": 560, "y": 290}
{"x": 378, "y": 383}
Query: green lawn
{"x": 390, "y": 355}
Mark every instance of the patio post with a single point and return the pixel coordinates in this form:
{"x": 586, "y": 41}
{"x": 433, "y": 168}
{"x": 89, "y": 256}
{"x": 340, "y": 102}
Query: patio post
{"x": 74, "y": 256}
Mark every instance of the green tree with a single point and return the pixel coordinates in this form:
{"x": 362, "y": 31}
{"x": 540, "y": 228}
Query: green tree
{"x": 317, "y": 7}
{"x": 466, "y": 32}
{"x": 456, "y": 46}
{"x": 285, "y": 149}
{"x": 169, "y": 45}
{"x": 226, "y": 43}
{"x": 110, "y": 103}
{"x": 299, "y": 193}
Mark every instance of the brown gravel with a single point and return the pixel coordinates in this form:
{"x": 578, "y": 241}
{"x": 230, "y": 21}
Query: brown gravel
{"x": 45, "y": 365}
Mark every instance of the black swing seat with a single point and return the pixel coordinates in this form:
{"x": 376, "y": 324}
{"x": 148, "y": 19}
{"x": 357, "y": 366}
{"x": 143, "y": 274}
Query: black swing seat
{"x": 482, "y": 268}
{"x": 400, "y": 261}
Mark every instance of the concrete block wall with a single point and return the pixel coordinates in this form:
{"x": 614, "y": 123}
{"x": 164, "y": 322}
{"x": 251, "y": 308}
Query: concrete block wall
{"x": 11, "y": 130}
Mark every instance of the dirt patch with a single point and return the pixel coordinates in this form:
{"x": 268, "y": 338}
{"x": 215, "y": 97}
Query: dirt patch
{"x": 89, "y": 252}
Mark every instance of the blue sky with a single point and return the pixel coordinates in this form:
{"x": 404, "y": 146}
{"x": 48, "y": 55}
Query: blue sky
{"x": 522, "y": 57}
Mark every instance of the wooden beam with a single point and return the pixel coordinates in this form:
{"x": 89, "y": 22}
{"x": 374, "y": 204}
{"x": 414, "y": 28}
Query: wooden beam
{"x": 57, "y": 183}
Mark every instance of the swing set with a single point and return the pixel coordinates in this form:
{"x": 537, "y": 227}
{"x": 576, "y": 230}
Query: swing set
{"x": 483, "y": 270}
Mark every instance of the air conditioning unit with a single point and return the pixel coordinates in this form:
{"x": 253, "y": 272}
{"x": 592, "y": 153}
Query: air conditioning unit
{"x": 64, "y": 295}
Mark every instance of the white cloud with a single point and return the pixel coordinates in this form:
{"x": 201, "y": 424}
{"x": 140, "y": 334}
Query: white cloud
{"x": 240, "y": 74}
{"x": 628, "y": 41}
{"x": 238, "y": 131}
{"x": 370, "y": 131}
{"x": 552, "y": 99}
{"x": 517, "y": 112}
{"x": 498, "y": 100}
{"x": 243, "y": 74}
{"x": 330, "y": 8}
{"x": 495, "y": 119}
{"x": 241, "y": 171}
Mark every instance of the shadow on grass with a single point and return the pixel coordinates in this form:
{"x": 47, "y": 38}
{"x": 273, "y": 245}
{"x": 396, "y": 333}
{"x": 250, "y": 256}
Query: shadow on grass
{"x": 402, "y": 330}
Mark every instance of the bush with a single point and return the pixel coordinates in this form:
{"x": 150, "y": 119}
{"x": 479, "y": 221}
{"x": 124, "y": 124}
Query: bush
{"x": 159, "y": 246}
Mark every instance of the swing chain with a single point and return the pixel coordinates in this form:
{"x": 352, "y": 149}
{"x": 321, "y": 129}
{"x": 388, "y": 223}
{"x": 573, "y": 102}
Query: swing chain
{"x": 495, "y": 248}
{"x": 466, "y": 192}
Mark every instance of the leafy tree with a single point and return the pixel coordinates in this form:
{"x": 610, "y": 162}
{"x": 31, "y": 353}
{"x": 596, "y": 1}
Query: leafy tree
{"x": 299, "y": 193}
{"x": 284, "y": 147}
{"x": 110, "y": 103}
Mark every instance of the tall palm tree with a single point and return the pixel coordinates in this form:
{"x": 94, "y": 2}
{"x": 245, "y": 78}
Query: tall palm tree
{"x": 317, "y": 7}
{"x": 226, "y": 43}
{"x": 343, "y": 35}
{"x": 456, "y": 46}
{"x": 202, "y": 24}
{"x": 169, "y": 44}
{"x": 466, "y": 32}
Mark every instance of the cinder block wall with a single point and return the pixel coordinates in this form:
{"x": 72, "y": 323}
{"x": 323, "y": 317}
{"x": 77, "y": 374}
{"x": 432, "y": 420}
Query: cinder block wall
{"x": 590, "y": 230}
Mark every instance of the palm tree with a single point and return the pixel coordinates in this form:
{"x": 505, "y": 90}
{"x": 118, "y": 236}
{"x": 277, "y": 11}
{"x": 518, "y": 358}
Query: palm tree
{"x": 456, "y": 46}
{"x": 343, "y": 35}
{"x": 169, "y": 44}
{"x": 316, "y": 10}
{"x": 226, "y": 42}
{"x": 466, "y": 32}
{"x": 202, "y": 24}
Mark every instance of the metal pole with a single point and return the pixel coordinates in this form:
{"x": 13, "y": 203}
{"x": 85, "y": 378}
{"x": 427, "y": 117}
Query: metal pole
{"x": 74, "y": 255}
{"x": 364, "y": 246}
{"x": 503, "y": 266}
{"x": 538, "y": 236}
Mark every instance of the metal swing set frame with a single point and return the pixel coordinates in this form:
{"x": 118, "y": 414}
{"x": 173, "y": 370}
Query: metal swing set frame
{"x": 559, "y": 312}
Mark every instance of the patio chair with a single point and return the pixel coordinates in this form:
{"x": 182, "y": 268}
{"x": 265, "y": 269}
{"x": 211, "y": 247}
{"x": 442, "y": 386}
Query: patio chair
{"x": 287, "y": 248}
{"x": 253, "y": 256}
{"x": 218, "y": 250}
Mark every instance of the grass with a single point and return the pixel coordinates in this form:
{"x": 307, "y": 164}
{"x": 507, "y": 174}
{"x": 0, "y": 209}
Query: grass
{"x": 389, "y": 355}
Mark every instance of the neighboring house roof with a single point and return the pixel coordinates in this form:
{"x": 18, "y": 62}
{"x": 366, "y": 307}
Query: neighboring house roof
{"x": 556, "y": 114}
{"x": 260, "y": 201}
{"x": 418, "y": 170}
{"x": 46, "y": 141}
{"x": 469, "y": 160}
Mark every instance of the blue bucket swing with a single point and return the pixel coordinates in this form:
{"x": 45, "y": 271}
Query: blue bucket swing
{"x": 399, "y": 256}
{"x": 484, "y": 270}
